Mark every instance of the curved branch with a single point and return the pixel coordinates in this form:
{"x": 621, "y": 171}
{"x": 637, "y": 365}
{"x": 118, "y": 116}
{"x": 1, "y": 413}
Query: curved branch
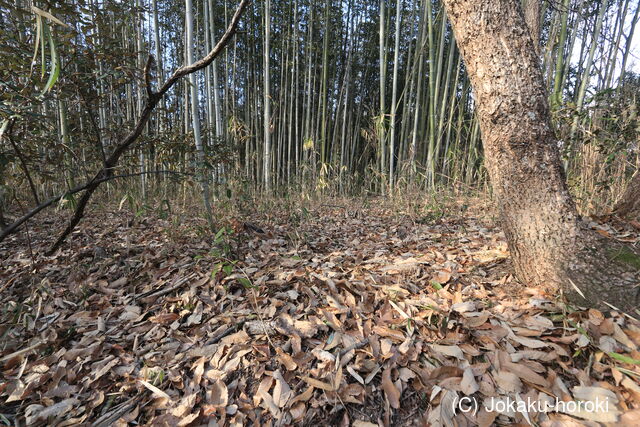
{"x": 33, "y": 212}
{"x": 208, "y": 59}
{"x": 150, "y": 104}
{"x": 23, "y": 161}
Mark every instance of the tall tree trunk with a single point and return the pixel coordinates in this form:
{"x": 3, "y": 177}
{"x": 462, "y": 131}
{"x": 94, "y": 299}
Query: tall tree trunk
{"x": 159, "y": 61}
{"x": 558, "y": 81}
{"x": 610, "y": 64}
{"x": 550, "y": 244}
{"x": 627, "y": 47}
{"x": 430, "y": 148}
{"x": 203, "y": 176}
{"x": 140, "y": 94}
{"x": 267, "y": 100}
{"x": 422, "y": 39}
{"x": 66, "y": 140}
{"x": 210, "y": 121}
{"x": 383, "y": 78}
{"x": 584, "y": 83}
{"x": 324, "y": 158}
{"x": 216, "y": 81}
{"x": 532, "y": 17}
{"x": 394, "y": 94}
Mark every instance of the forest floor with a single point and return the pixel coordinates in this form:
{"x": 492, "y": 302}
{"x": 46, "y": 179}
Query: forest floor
{"x": 344, "y": 313}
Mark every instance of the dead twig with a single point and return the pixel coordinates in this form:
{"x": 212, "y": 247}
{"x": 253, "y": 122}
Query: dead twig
{"x": 22, "y": 351}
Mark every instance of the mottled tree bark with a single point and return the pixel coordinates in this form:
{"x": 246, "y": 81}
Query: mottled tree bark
{"x": 550, "y": 244}
{"x": 532, "y": 18}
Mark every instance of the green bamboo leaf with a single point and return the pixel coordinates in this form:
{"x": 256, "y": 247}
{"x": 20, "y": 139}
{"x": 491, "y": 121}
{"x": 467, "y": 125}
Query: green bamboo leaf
{"x": 43, "y": 62}
{"x": 246, "y": 283}
{"x": 628, "y": 372}
{"x": 38, "y": 37}
{"x": 55, "y": 63}
{"x": 219, "y": 234}
{"x": 624, "y": 359}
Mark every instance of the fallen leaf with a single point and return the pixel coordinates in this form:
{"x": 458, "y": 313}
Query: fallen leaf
{"x": 390, "y": 390}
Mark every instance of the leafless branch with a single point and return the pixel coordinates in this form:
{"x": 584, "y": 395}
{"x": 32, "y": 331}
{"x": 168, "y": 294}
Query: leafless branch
{"x": 152, "y": 101}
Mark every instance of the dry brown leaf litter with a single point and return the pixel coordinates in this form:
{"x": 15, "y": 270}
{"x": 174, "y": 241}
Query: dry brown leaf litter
{"x": 336, "y": 318}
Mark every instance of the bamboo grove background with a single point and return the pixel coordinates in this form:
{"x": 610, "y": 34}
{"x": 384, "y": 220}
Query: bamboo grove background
{"x": 338, "y": 96}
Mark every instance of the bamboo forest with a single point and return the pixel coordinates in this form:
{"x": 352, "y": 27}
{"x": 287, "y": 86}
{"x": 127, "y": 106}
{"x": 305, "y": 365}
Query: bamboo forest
{"x": 338, "y": 212}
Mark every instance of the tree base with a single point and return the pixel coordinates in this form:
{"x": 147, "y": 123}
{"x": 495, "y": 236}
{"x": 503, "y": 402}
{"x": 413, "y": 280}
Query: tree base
{"x": 628, "y": 207}
{"x": 604, "y": 274}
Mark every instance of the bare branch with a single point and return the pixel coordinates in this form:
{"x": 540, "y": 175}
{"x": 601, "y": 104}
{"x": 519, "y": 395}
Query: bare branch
{"x": 104, "y": 174}
{"x": 204, "y": 62}
{"x": 10, "y": 229}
